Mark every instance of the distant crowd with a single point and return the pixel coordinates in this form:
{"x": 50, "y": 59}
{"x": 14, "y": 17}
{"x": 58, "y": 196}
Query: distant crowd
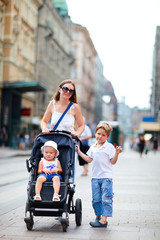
{"x": 142, "y": 144}
{"x": 22, "y": 140}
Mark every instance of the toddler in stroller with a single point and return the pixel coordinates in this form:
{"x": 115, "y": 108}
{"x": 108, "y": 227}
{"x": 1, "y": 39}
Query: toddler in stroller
{"x": 49, "y": 169}
{"x": 66, "y": 146}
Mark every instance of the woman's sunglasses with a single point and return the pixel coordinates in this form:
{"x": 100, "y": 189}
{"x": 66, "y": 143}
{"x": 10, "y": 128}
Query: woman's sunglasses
{"x": 66, "y": 89}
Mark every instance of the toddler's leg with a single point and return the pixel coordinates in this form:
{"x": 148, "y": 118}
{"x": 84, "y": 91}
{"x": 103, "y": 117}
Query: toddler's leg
{"x": 56, "y": 187}
{"x": 56, "y": 184}
{"x": 39, "y": 182}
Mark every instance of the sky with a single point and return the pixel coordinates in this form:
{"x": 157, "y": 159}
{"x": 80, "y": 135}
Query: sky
{"x": 123, "y": 33}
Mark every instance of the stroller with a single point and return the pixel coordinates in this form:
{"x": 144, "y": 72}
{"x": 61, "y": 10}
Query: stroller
{"x": 66, "y": 146}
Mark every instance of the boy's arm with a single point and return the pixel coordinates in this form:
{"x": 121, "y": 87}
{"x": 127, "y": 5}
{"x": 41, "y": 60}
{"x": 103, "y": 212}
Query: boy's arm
{"x": 84, "y": 156}
{"x": 115, "y": 158}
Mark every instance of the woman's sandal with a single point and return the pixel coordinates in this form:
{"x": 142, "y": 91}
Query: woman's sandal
{"x": 37, "y": 197}
{"x": 56, "y": 197}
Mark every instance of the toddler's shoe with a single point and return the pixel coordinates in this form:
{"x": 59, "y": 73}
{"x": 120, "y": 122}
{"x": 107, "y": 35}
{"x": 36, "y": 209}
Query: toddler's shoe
{"x": 56, "y": 197}
{"x": 37, "y": 198}
{"x": 98, "y": 224}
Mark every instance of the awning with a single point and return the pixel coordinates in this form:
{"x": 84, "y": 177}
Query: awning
{"x": 150, "y": 126}
{"x": 24, "y": 86}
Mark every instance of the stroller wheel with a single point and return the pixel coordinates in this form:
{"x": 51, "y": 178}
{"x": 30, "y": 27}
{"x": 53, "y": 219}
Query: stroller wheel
{"x": 64, "y": 224}
{"x": 29, "y": 221}
{"x": 64, "y": 227}
{"x": 29, "y": 225}
{"x": 78, "y": 212}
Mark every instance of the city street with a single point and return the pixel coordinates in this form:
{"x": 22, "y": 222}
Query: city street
{"x": 13, "y": 178}
{"x": 136, "y": 214}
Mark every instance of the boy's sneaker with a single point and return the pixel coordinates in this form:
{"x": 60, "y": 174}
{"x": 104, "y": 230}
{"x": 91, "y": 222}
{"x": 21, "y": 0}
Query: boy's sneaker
{"x": 98, "y": 224}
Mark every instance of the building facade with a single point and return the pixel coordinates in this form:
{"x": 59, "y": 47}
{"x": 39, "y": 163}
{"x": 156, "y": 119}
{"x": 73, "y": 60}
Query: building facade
{"x": 155, "y": 95}
{"x": 137, "y": 116}
{"x": 83, "y": 70}
{"x": 54, "y": 45}
{"x": 109, "y": 112}
{"x": 35, "y": 56}
{"x": 99, "y": 89}
{"x": 124, "y": 118}
{"x": 17, "y": 63}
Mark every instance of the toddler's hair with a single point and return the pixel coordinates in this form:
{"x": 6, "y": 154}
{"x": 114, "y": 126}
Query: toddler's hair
{"x": 106, "y": 126}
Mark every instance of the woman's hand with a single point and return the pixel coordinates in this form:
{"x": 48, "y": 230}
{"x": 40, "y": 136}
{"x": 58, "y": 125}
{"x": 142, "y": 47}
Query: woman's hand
{"x": 74, "y": 133}
{"x": 46, "y": 130}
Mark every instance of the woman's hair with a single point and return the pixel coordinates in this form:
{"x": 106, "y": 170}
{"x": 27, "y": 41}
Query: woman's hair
{"x": 105, "y": 126}
{"x": 73, "y": 98}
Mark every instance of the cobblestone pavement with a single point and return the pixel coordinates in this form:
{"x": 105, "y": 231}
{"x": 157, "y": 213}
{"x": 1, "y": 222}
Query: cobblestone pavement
{"x": 136, "y": 206}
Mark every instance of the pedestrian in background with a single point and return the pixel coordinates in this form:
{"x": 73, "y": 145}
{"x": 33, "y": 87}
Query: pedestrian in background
{"x": 65, "y": 94}
{"x": 147, "y": 148}
{"x": 155, "y": 144}
{"x": 22, "y": 140}
{"x": 103, "y": 155}
{"x": 27, "y": 140}
{"x": 4, "y": 136}
{"x": 84, "y": 146}
{"x": 141, "y": 144}
{"x": 0, "y": 137}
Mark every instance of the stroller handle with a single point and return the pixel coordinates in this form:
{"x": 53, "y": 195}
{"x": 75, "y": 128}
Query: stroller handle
{"x": 67, "y": 132}
{"x": 64, "y": 131}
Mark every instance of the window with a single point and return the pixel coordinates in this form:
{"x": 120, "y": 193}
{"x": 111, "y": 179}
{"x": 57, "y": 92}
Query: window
{"x": 74, "y": 36}
{"x": 2, "y": 25}
{"x": 16, "y": 3}
{"x": 73, "y": 72}
{"x": 25, "y": 46}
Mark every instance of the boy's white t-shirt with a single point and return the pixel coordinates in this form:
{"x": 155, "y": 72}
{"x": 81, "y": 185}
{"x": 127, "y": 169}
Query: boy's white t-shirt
{"x": 102, "y": 166}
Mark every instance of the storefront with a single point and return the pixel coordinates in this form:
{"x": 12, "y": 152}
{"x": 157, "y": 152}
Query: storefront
{"x": 11, "y": 109}
{"x": 151, "y": 128}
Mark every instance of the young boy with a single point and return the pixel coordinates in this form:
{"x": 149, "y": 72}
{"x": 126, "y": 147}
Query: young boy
{"x": 49, "y": 169}
{"x": 104, "y": 155}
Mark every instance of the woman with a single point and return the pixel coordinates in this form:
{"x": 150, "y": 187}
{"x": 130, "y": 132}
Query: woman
{"x": 65, "y": 94}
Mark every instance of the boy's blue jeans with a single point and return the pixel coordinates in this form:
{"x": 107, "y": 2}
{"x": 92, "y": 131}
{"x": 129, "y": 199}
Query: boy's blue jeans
{"x": 102, "y": 194}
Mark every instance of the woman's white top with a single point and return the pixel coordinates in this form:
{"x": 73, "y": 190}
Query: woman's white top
{"x": 67, "y": 122}
{"x": 50, "y": 164}
{"x": 102, "y": 166}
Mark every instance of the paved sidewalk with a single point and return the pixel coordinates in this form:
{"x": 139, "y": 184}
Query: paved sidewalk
{"x": 6, "y": 152}
{"x": 136, "y": 206}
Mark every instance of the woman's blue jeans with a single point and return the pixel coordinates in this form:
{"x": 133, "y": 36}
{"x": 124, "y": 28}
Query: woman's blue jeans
{"x": 102, "y": 194}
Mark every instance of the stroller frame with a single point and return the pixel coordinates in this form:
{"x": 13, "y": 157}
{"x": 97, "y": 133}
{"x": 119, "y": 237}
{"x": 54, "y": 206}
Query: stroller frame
{"x": 67, "y": 147}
